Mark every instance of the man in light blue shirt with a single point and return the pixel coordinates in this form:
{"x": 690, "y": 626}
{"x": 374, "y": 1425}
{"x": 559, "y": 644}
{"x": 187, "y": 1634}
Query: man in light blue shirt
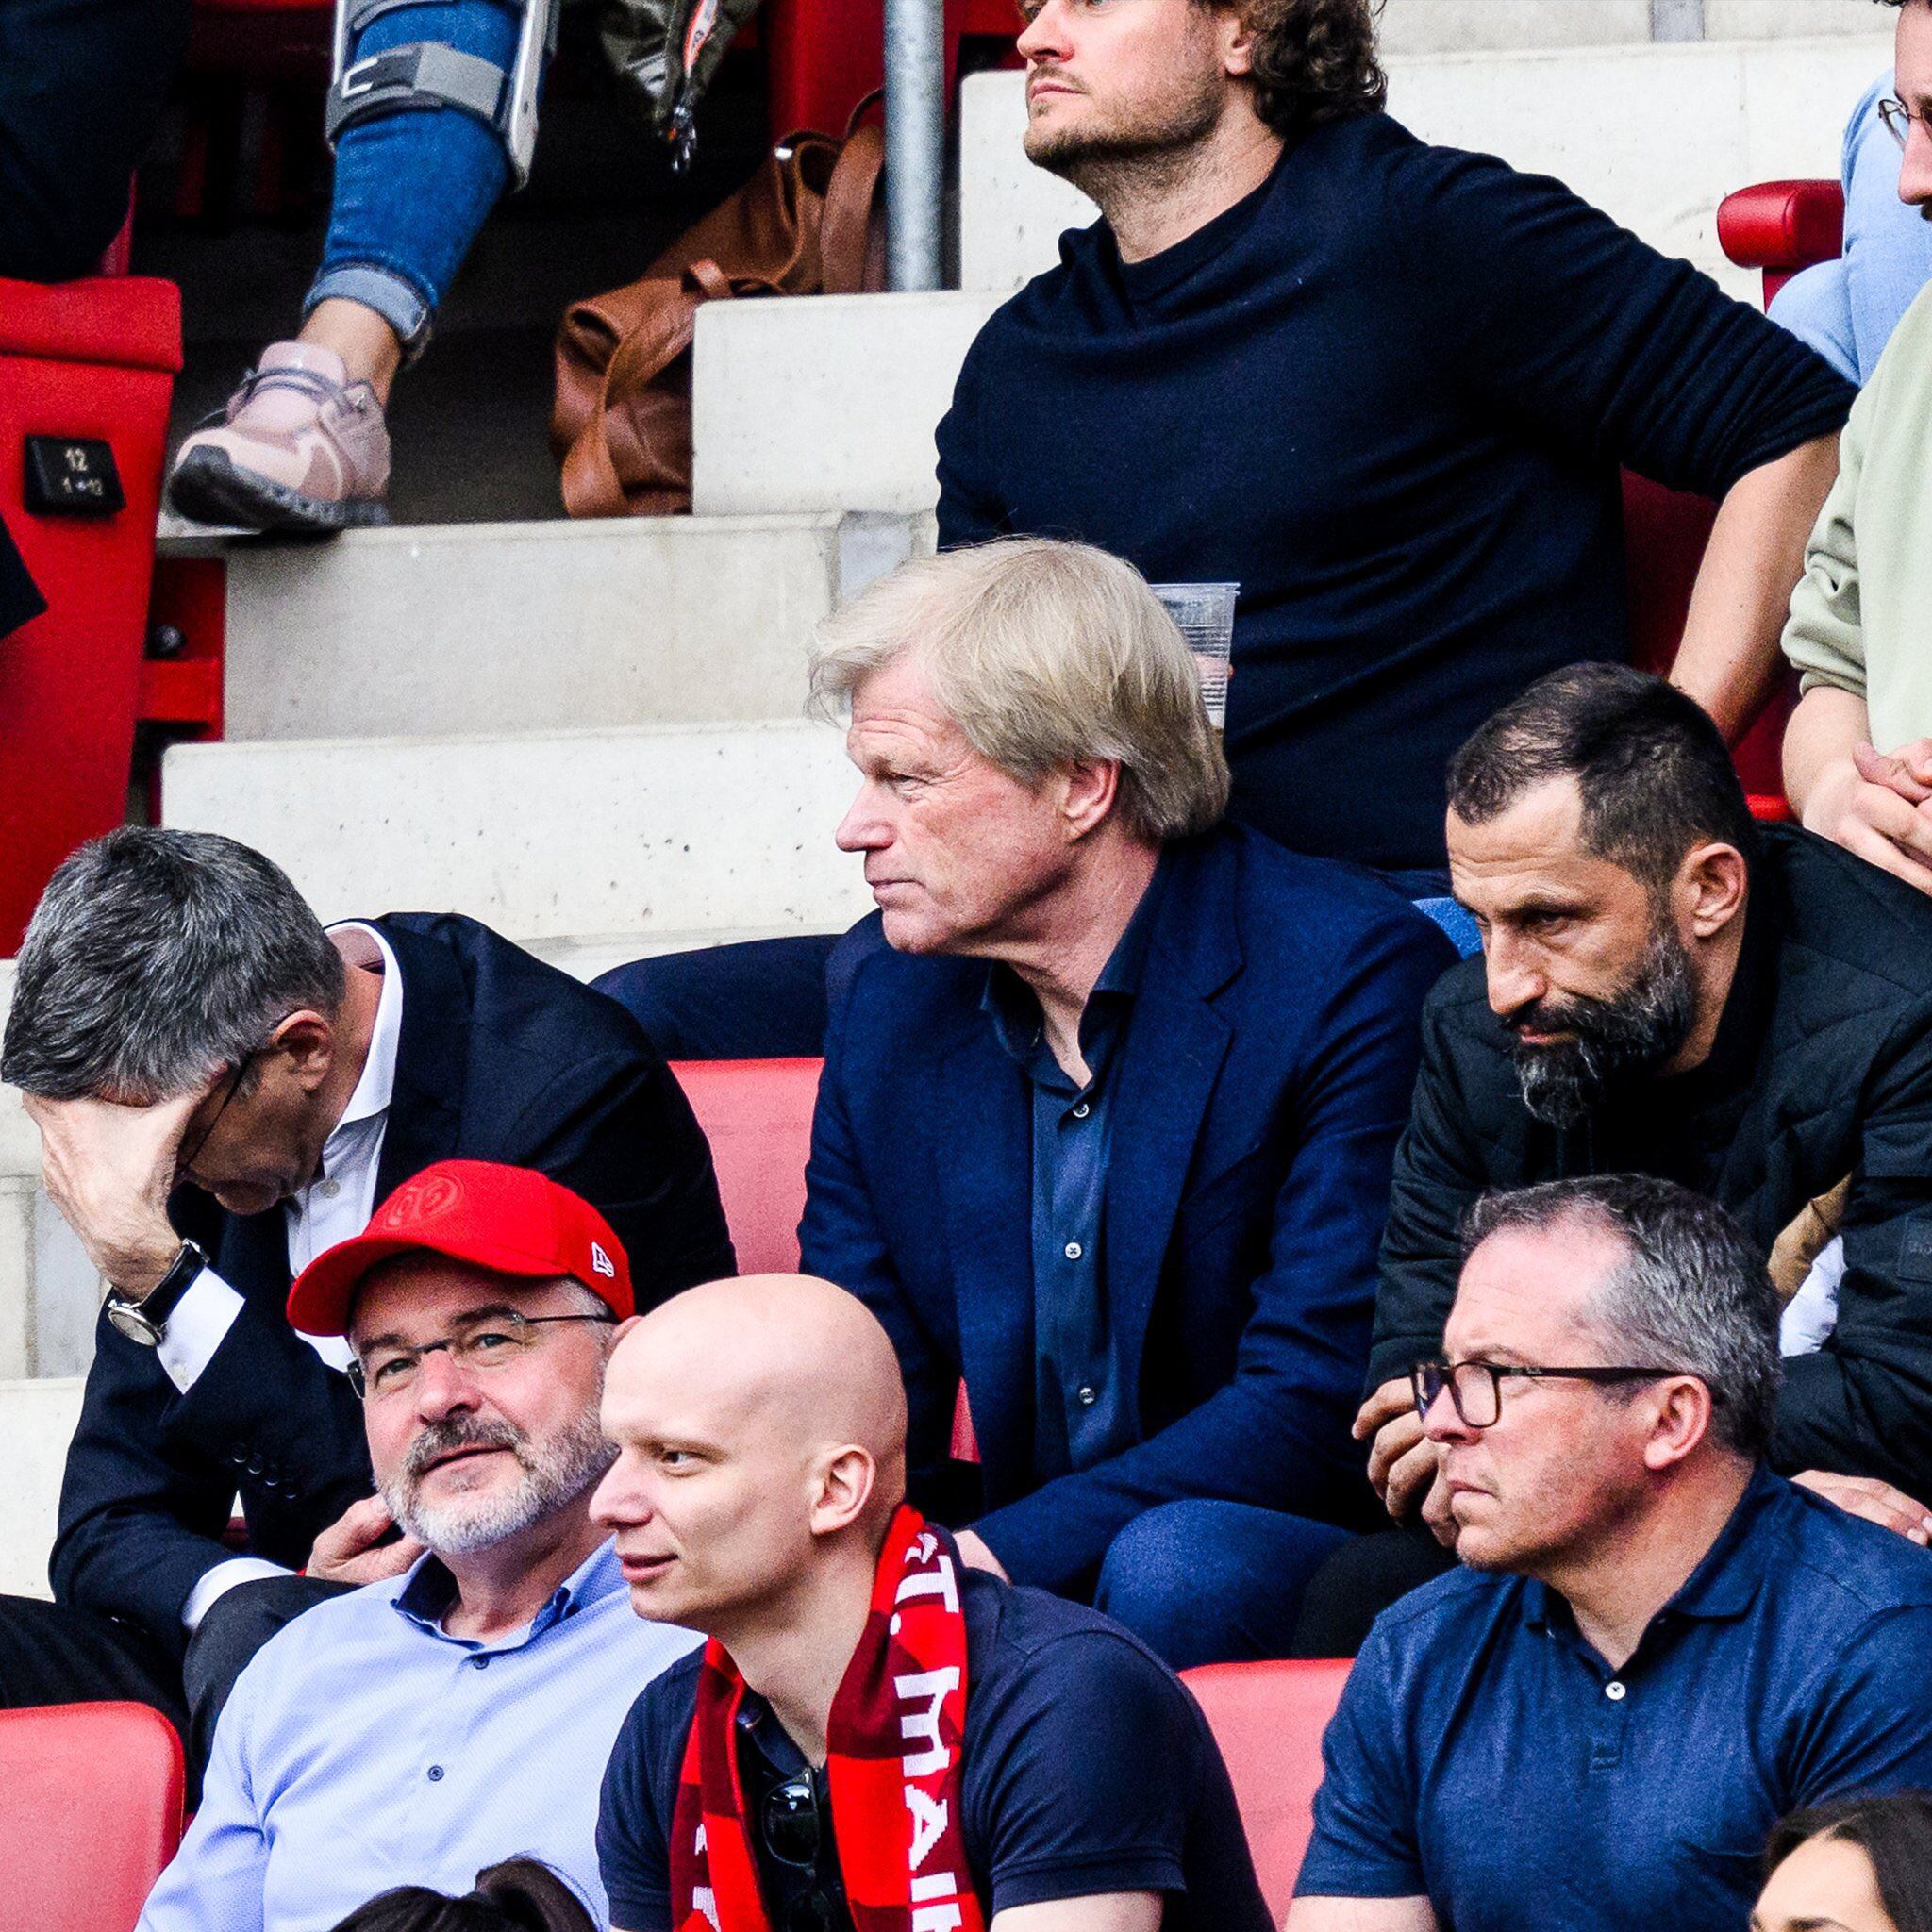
{"x": 418, "y": 1729}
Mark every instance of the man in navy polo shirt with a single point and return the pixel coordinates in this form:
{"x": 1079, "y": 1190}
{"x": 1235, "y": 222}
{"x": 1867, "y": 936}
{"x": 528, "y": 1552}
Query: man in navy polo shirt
{"x": 1657, "y": 1647}
{"x": 1055, "y": 1772}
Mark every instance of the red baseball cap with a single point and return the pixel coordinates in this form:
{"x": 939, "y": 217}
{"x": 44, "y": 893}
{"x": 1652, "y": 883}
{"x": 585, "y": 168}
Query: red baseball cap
{"x": 510, "y": 1220}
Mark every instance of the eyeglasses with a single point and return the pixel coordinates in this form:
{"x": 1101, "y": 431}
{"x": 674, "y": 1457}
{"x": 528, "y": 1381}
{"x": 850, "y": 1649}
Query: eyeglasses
{"x": 490, "y": 1339}
{"x": 793, "y": 1829}
{"x": 185, "y": 1161}
{"x": 1476, "y": 1387}
{"x": 1898, "y": 119}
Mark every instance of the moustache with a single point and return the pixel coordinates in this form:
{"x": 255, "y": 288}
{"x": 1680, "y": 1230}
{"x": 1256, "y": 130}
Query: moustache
{"x": 446, "y": 1438}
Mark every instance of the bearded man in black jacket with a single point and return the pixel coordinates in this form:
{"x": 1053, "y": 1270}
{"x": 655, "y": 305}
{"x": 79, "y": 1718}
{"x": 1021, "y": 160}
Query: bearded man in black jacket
{"x": 1666, "y": 989}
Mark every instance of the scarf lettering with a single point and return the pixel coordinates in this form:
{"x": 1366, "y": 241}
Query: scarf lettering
{"x": 901, "y": 1702}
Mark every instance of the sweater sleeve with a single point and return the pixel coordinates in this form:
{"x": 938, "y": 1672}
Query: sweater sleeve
{"x": 970, "y": 508}
{"x": 1825, "y": 635}
{"x": 1542, "y": 309}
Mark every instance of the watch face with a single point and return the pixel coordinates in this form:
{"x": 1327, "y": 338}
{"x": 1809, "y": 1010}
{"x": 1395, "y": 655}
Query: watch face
{"x": 132, "y": 1322}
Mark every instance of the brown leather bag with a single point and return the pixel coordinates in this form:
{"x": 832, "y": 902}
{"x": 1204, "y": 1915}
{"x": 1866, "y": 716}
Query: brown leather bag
{"x": 804, "y": 225}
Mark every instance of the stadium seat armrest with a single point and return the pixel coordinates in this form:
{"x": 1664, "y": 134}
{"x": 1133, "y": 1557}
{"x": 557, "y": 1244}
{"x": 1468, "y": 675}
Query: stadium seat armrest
{"x": 1783, "y": 226}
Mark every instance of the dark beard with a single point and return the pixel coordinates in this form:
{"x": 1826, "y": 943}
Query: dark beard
{"x": 1613, "y": 1041}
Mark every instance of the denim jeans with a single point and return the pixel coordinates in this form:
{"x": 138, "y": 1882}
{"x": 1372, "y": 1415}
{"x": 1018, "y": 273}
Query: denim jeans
{"x": 1847, "y": 309}
{"x": 414, "y": 187}
{"x": 1204, "y": 1582}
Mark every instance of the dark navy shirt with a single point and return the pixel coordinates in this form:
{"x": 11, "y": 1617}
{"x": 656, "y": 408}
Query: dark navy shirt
{"x": 1083, "y": 1393}
{"x": 1484, "y": 1753}
{"x": 1387, "y": 395}
{"x": 1088, "y": 1770}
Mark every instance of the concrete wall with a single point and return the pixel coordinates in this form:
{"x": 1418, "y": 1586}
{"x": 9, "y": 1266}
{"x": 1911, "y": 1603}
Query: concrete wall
{"x": 36, "y": 1424}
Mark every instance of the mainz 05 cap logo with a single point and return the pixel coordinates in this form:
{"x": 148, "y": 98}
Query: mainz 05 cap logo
{"x": 419, "y": 1199}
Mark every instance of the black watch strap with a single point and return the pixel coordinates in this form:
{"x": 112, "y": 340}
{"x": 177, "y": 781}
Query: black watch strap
{"x": 146, "y": 1320}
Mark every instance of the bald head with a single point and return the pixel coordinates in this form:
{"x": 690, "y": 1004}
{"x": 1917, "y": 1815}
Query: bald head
{"x": 760, "y": 1424}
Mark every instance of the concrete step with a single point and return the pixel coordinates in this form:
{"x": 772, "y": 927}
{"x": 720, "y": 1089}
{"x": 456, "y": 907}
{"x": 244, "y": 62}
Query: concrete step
{"x": 541, "y": 626}
{"x": 1656, "y": 135}
{"x": 1443, "y": 26}
{"x": 679, "y": 830}
{"x": 825, "y": 403}
{"x": 37, "y": 1422}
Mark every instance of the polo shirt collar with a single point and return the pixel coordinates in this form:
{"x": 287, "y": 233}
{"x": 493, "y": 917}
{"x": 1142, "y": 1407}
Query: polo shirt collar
{"x": 1726, "y": 1582}
{"x": 428, "y": 1591}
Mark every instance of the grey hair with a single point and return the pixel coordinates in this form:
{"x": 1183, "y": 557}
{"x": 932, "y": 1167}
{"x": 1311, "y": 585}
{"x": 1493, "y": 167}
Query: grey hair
{"x": 155, "y": 960}
{"x": 1044, "y": 654}
{"x": 1692, "y": 1295}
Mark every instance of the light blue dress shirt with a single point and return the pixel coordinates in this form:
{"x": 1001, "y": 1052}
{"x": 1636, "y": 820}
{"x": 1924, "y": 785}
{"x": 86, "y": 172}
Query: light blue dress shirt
{"x": 1847, "y": 309}
{"x": 365, "y": 1748}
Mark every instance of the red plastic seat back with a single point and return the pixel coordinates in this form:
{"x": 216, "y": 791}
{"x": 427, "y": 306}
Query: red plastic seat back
{"x": 757, "y": 1115}
{"x": 1268, "y": 1720}
{"x": 1782, "y": 226}
{"x": 89, "y": 1812}
{"x": 77, "y": 359}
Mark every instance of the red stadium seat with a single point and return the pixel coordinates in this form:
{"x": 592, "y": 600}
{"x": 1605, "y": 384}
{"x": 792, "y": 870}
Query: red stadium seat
{"x": 1268, "y": 1720}
{"x": 757, "y": 1115}
{"x": 823, "y": 57}
{"x": 89, "y": 1812}
{"x": 1782, "y": 226}
{"x": 86, "y": 359}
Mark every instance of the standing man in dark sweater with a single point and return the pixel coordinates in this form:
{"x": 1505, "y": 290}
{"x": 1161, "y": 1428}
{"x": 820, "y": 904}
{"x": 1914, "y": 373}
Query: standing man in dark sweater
{"x": 1667, "y": 989}
{"x": 1384, "y": 387}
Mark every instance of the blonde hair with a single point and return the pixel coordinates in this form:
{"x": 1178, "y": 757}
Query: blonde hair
{"x": 1043, "y": 654}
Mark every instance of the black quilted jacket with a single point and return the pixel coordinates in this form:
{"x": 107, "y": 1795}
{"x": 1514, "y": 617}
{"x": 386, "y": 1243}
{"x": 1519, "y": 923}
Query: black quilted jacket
{"x": 1822, "y": 1067}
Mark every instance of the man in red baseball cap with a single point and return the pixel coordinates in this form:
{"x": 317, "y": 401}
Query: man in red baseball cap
{"x": 481, "y": 1303}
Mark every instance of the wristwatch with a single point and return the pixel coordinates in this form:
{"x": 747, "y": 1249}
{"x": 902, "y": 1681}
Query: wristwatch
{"x": 146, "y": 1320}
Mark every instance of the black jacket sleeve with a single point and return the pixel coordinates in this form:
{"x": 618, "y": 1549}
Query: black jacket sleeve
{"x": 1440, "y": 1171}
{"x": 1863, "y": 1404}
{"x": 1543, "y": 307}
{"x": 618, "y": 1131}
{"x": 153, "y": 1473}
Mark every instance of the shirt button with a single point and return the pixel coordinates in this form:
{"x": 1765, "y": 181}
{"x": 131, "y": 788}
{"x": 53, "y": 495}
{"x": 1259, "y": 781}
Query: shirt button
{"x": 1086, "y": 1396}
{"x": 1615, "y": 1691}
{"x": 480, "y": 1663}
{"x": 329, "y": 1190}
{"x": 1073, "y": 1251}
{"x": 436, "y": 1774}
{"x": 1081, "y": 1110}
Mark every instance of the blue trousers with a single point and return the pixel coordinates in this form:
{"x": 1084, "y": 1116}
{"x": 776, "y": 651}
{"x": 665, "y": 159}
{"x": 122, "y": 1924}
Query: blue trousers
{"x": 1204, "y": 1582}
{"x": 1847, "y": 309}
{"x": 414, "y": 188}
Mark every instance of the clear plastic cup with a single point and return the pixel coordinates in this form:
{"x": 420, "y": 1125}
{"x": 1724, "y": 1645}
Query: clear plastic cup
{"x": 1204, "y": 615}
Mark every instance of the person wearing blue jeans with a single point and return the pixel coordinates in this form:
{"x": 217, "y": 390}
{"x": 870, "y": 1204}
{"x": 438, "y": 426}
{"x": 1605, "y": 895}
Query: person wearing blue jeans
{"x": 420, "y": 163}
{"x": 1846, "y": 309}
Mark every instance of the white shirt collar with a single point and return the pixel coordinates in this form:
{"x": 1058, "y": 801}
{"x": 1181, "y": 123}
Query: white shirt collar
{"x": 376, "y": 1087}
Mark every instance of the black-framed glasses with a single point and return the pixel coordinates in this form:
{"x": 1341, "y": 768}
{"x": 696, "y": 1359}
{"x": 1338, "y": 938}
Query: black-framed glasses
{"x": 1898, "y": 118}
{"x": 185, "y": 1161}
{"x": 490, "y": 1339}
{"x": 1476, "y": 1387}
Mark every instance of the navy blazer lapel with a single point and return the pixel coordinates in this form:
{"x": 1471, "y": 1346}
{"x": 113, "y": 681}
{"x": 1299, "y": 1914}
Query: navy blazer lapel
{"x": 1171, "y": 1058}
{"x": 425, "y": 1121}
{"x": 984, "y": 1156}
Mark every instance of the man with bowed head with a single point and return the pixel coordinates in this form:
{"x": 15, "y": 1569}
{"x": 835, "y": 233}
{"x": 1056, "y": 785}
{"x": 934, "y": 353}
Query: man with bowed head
{"x": 877, "y": 1739}
{"x": 458, "y": 1714}
{"x": 1656, "y": 1647}
{"x": 1111, "y": 1091}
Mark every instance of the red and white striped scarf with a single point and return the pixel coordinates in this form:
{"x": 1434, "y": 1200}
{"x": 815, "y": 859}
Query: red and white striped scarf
{"x": 894, "y": 1739}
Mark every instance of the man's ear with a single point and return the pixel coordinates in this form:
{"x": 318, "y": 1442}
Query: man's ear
{"x": 841, "y": 1487}
{"x": 1237, "y": 48}
{"x": 1091, "y": 788}
{"x": 309, "y": 1039}
{"x": 1713, "y": 884}
{"x": 1682, "y": 1412}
